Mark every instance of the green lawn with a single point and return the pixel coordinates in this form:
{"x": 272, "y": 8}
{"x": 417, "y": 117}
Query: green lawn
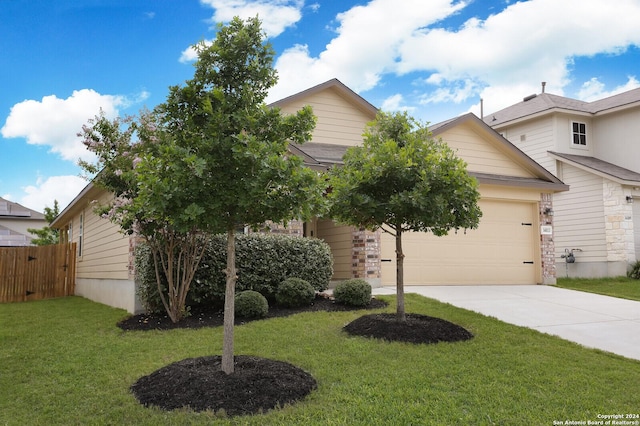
{"x": 64, "y": 361}
{"x": 622, "y": 287}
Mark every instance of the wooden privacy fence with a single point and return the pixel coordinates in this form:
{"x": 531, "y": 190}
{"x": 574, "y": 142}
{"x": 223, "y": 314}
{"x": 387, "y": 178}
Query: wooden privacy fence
{"x": 34, "y": 273}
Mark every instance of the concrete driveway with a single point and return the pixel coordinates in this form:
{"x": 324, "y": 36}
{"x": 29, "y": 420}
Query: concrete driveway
{"x": 595, "y": 321}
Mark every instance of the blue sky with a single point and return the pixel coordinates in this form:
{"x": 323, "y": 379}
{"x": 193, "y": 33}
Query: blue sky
{"x": 61, "y": 61}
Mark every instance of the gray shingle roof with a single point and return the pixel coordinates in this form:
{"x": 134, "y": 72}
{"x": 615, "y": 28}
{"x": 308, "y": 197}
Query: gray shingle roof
{"x": 9, "y": 209}
{"x": 616, "y": 172}
{"x": 324, "y": 154}
{"x": 546, "y": 102}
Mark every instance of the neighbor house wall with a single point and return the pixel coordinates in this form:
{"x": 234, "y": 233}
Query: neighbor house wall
{"x": 617, "y": 138}
{"x": 580, "y": 224}
{"x": 535, "y": 138}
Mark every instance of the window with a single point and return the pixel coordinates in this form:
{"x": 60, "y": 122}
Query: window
{"x": 579, "y": 133}
{"x": 80, "y": 233}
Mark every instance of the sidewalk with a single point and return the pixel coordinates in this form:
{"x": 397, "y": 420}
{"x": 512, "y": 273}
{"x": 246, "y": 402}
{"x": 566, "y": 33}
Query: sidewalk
{"x": 595, "y": 321}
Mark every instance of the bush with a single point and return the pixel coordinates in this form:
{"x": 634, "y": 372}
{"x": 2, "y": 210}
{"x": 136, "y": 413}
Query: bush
{"x": 354, "y": 292}
{"x": 146, "y": 285}
{"x": 635, "y": 271}
{"x": 295, "y": 292}
{"x": 263, "y": 262}
{"x": 251, "y": 304}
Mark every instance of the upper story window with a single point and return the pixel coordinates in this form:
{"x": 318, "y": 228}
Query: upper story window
{"x": 579, "y": 133}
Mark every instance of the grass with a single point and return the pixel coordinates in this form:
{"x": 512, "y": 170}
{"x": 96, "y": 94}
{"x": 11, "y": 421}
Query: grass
{"x": 64, "y": 361}
{"x": 622, "y": 287}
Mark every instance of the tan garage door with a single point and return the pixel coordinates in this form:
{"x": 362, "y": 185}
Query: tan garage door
{"x": 501, "y": 251}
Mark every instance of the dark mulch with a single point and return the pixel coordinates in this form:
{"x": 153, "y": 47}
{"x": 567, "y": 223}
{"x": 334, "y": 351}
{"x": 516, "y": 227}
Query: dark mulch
{"x": 257, "y": 384}
{"x": 214, "y": 317}
{"x": 416, "y": 329}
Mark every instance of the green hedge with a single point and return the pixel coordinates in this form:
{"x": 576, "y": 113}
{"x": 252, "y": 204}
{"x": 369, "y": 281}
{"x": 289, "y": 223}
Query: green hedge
{"x": 263, "y": 262}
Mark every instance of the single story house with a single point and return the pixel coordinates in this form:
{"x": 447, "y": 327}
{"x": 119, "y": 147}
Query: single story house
{"x": 15, "y": 220}
{"x": 593, "y": 147}
{"x": 514, "y": 243}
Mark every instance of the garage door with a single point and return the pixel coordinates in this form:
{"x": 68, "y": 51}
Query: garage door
{"x": 503, "y": 250}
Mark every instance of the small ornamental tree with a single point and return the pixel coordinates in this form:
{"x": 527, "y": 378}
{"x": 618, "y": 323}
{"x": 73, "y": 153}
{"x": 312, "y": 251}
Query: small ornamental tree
{"x": 47, "y": 235}
{"x": 152, "y": 180}
{"x": 211, "y": 159}
{"x": 403, "y": 180}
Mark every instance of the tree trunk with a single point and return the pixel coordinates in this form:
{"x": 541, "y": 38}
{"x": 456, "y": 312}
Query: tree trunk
{"x": 400, "y": 314}
{"x": 229, "y": 304}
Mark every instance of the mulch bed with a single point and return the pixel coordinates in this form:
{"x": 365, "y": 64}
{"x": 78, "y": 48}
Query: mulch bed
{"x": 258, "y": 384}
{"x": 416, "y": 329}
{"x": 214, "y": 317}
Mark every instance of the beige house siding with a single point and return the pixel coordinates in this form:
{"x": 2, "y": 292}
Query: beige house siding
{"x": 338, "y": 121}
{"x": 534, "y": 138}
{"x": 104, "y": 264}
{"x": 479, "y": 154}
{"x": 105, "y": 250}
{"x": 339, "y": 239}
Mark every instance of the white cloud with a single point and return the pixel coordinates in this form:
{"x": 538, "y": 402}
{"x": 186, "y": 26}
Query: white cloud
{"x": 55, "y": 122}
{"x": 276, "y": 15}
{"x": 395, "y": 103}
{"x": 46, "y": 191}
{"x": 364, "y": 49}
{"x": 189, "y": 54}
{"x": 594, "y": 89}
{"x": 501, "y": 58}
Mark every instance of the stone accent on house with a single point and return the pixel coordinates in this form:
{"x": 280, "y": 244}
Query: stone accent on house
{"x": 365, "y": 255}
{"x": 618, "y": 216}
{"x": 547, "y": 245}
{"x": 294, "y": 228}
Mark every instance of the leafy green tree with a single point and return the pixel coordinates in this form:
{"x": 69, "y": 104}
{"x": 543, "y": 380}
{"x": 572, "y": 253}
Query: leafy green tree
{"x": 210, "y": 159}
{"x": 47, "y": 235}
{"x": 401, "y": 180}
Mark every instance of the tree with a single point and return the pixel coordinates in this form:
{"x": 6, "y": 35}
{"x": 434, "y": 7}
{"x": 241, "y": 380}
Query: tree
{"x": 402, "y": 180}
{"x": 47, "y": 235}
{"x": 211, "y": 159}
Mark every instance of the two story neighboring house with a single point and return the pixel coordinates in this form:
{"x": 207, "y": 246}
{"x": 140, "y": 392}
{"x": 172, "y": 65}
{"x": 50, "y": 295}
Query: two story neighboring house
{"x": 15, "y": 219}
{"x": 594, "y": 147}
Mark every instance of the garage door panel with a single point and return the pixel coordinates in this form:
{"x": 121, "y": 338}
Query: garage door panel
{"x": 497, "y": 252}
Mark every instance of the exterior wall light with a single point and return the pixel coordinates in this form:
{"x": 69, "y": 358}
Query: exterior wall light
{"x": 548, "y": 211}
{"x": 629, "y": 199}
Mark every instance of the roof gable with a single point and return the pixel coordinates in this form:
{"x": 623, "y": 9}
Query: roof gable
{"x": 335, "y": 86}
{"x": 342, "y": 115}
{"x": 489, "y": 156}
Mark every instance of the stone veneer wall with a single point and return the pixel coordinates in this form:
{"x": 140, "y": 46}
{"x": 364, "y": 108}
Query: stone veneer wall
{"x": 365, "y": 250}
{"x": 294, "y": 228}
{"x": 547, "y": 245}
{"x": 618, "y": 215}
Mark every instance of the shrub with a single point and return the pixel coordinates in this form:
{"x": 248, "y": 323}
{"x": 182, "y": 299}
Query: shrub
{"x": 295, "y": 292}
{"x": 354, "y": 292}
{"x": 635, "y": 271}
{"x": 146, "y": 285}
{"x": 251, "y": 304}
{"x": 263, "y": 262}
